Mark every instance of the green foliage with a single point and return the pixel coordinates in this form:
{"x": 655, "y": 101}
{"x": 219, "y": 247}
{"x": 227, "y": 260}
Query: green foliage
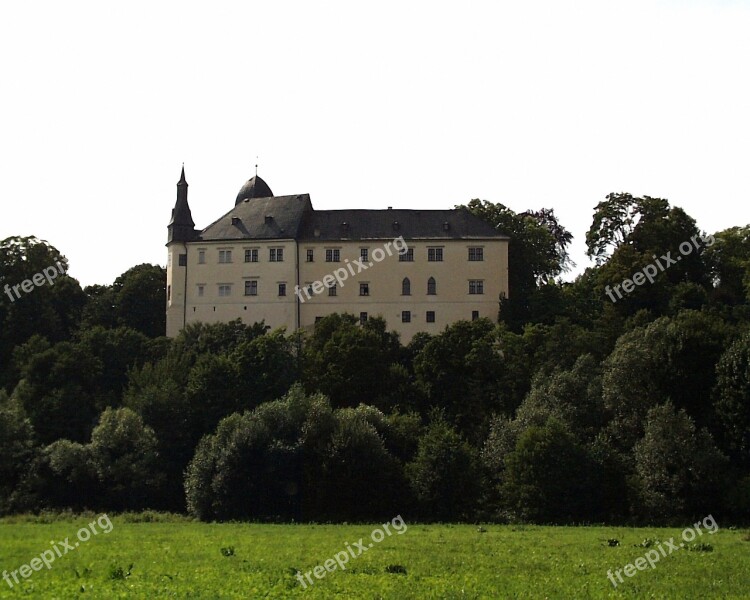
{"x": 444, "y": 474}
{"x": 292, "y": 458}
{"x": 50, "y": 310}
{"x": 351, "y": 364}
{"x": 732, "y": 399}
{"x": 550, "y": 477}
{"x": 135, "y": 300}
{"x": 678, "y": 470}
{"x": 16, "y": 447}
{"x": 462, "y": 371}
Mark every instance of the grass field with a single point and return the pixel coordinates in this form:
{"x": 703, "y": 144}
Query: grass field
{"x": 184, "y": 559}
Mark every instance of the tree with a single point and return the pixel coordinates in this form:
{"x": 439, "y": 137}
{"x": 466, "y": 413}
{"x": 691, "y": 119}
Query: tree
{"x": 678, "y": 470}
{"x": 136, "y": 300}
{"x": 351, "y": 363}
{"x": 629, "y": 234}
{"x": 444, "y": 475}
{"x": 52, "y": 309}
{"x": 16, "y": 448}
{"x": 58, "y": 392}
{"x": 550, "y": 477}
{"x": 573, "y": 397}
{"x": 462, "y": 371}
{"x": 731, "y": 398}
{"x": 729, "y": 261}
{"x": 124, "y": 455}
{"x": 670, "y": 358}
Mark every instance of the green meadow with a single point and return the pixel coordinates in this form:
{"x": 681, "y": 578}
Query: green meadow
{"x": 177, "y": 558}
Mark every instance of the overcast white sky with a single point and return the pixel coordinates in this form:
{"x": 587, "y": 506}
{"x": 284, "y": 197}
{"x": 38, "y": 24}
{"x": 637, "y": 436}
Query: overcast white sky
{"x": 407, "y": 104}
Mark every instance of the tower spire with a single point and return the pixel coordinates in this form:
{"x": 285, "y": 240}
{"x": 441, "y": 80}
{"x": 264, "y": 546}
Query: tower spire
{"x": 181, "y": 227}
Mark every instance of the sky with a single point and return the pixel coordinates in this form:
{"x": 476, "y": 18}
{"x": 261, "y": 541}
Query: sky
{"x": 363, "y": 105}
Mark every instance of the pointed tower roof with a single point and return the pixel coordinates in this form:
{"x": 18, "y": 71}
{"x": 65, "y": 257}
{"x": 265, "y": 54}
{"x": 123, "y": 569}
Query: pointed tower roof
{"x": 181, "y": 226}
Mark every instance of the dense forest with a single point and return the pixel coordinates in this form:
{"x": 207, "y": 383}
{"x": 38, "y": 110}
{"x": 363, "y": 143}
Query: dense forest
{"x": 622, "y": 396}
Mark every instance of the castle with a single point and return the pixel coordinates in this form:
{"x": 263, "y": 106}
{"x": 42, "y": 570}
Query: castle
{"x": 276, "y": 259}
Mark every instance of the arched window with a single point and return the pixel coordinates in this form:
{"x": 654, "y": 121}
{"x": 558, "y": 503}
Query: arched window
{"x": 431, "y": 287}
{"x": 406, "y": 287}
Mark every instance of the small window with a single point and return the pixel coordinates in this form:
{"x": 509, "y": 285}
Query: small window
{"x": 474, "y": 315}
{"x": 362, "y": 318}
{"x": 282, "y": 289}
{"x": 364, "y": 289}
{"x": 310, "y": 255}
{"x": 476, "y": 286}
{"x": 183, "y": 260}
{"x": 251, "y": 287}
{"x": 333, "y": 255}
{"x": 201, "y": 257}
{"x": 364, "y": 254}
{"x": 431, "y": 287}
{"x": 407, "y": 256}
{"x": 225, "y": 256}
{"x": 332, "y": 290}
{"x": 406, "y": 287}
{"x": 225, "y": 290}
{"x": 201, "y": 290}
{"x": 251, "y": 255}
{"x": 430, "y": 316}
{"x": 276, "y": 254}
{"x": 406, "y": 316}
{"x": 434, "y": 254}
{"x": 318, "y": 318}
{"x": 476, "y": 254}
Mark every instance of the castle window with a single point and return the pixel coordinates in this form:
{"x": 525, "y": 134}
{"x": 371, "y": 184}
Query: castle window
{"x": 201, "y": 290}
{"x": 476, "y": 286}
{"x": 431, "y": 287}
{"x": 430, "y": 316}
{"x": 474, "y": 315}
{"x": 332, "y": 290}
{"x": 310, "y": 254}
{"x": 251, "y": 255}
{"x": 282, "y": 289}
{"x": 434, "y": 254}
{"x": 225, "y": 256}
{"x": 333, "y": 255}
{"x": 476, "y": 254}
{"x": 364, "y": 289}
{"x": 407, "y": 256}
{"x": 362, "y": 318}
{"x": 251, "y": 287}
{"x": 406, "y": 287}
{"x": 225, "y": 289}
{"x": 201, "y": 257}
{"x": 183, "y": 260}
{"x": 406, "y": 316}
{"x": 276, "y": 255}
{"x": 364, "y": 254}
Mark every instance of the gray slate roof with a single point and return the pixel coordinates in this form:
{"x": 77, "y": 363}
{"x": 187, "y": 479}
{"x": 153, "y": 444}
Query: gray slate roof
{"x": 248, "y": 219}
{"x": 357, "y": 224}
{"x": 293, "y": 217}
